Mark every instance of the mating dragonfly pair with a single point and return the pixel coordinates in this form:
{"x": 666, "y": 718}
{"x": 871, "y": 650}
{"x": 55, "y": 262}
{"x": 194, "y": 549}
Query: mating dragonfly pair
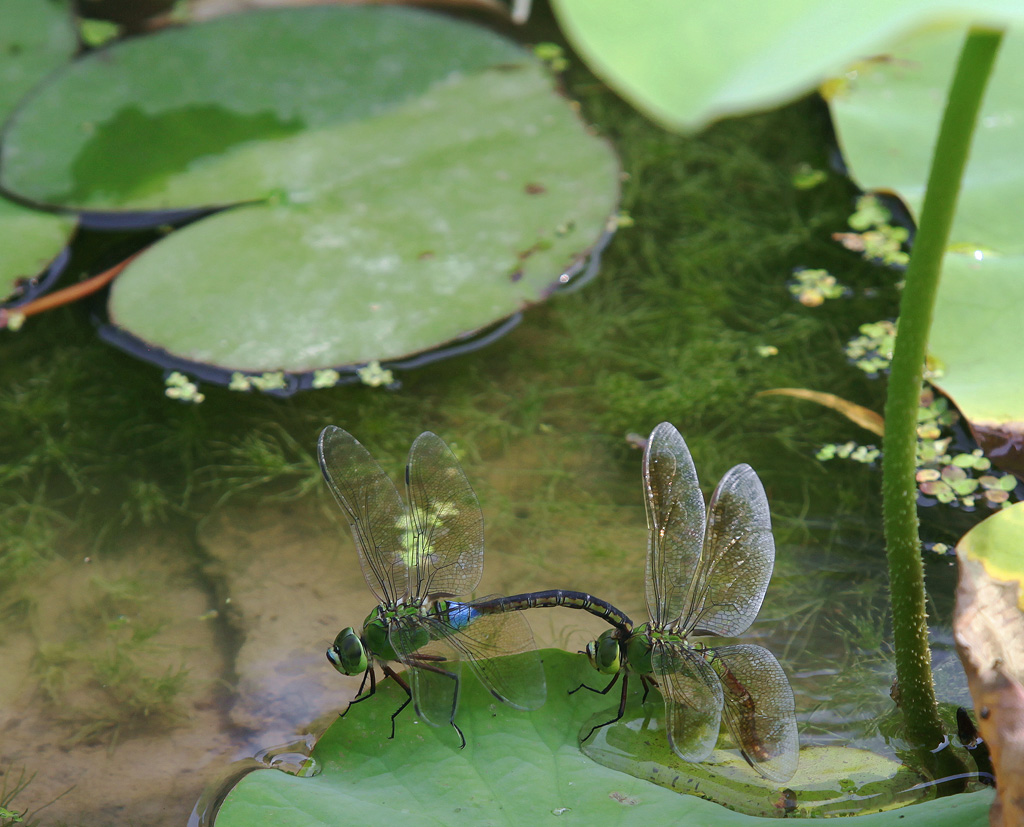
{"x": 707, "y": 573}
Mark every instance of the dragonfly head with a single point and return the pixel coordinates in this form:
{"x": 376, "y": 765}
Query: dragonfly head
{"x": 347, "y": 654}
{"x": 604, "y": 653}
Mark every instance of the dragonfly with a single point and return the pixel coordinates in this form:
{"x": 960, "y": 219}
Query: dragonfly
{"x": 415, "y": 559}
{"x": 707, "y": 573}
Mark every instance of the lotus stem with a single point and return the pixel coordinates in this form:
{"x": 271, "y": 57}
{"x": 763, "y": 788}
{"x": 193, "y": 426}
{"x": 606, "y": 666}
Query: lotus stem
{"x": 899, "y": 495}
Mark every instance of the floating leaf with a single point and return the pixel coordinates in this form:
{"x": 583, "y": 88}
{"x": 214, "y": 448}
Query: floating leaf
{"x": 829, "y": 780}
{"x": 35, "y": 38}
{"x": 517, "y": 767}
{"x": 688, "y": 63}
{"x": 408, "y": 179}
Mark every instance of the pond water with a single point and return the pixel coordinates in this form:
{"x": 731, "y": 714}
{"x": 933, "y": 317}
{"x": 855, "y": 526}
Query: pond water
{"x": 173, "y": 574}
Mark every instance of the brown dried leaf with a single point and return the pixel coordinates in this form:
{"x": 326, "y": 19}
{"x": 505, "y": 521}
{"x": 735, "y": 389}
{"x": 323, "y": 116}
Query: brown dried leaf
{"x": 988, "y": 627}
{"x": 858, "y": 414}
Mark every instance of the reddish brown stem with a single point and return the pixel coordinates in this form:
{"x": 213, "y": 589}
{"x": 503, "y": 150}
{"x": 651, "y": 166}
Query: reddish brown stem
{"x": 74, "y": 292}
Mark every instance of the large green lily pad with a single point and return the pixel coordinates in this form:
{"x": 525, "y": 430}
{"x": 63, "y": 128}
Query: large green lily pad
{"x": 887, "y": 116}
{"x": 35, "y": 39}
{"x": 410, "y": 179}
{"x": 517, "y": 768}
{"x": 686, "y": 62}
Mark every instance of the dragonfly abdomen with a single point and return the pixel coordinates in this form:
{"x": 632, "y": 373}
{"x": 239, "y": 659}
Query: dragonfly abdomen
{"x": 745, "y": 710}
{"x": 458, "y": 615}
{"x": 553, "y": 598}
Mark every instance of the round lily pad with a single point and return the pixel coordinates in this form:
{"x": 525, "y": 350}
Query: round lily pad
{"x": 687, "y": 63}
{"x": 401, "y": 179}
{"x": 34, "y": 40}
{"x": 524, "y": 767}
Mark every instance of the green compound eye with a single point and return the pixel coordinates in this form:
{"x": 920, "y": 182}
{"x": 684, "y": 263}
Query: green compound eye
{"x": 347, "y": 654}
{"x": 603, "y": 653}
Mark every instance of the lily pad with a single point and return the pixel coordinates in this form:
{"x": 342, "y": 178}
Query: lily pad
{"x": 887, "y": 114}
{"x": 829, "y": 781}
{"x": 517, "y": 767}
{"x": 35, "y": 39}
{"x": 405, "y": 179}
{"x": 688, "y": 63}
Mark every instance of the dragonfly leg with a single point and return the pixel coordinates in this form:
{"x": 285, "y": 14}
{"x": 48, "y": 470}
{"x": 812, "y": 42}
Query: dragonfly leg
{"x": 461, "y": 736}
{"x": 391, "y": 673}
{"x": 359, "y": 695}
{"x": 647, "y": 682}
{"x": 622, "y": 703}
{"x": 604, "y": 691}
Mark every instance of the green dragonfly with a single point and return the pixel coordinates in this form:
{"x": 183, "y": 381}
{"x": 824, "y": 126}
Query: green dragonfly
{"x": 415, "y": 559}
{"x": 707, "y": 573}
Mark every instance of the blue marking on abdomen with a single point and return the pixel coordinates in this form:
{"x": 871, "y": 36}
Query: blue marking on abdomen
{"x": 461, "y": 615}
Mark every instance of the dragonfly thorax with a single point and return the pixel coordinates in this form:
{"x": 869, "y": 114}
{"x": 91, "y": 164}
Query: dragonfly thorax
{"x": 380, "y": 624}
{"x": 347, "y": 654}
{"x": 638, "y": 649}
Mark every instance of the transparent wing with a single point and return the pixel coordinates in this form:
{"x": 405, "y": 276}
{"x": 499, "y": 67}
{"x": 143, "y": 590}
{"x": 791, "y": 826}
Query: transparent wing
{"x": 501, "y": 651}
{"x": 436, "y": 682}
{"x": 759, "y": 708}
{"x": 693, "y": 699}
{"x": 737, "y": 560}
{"x": 375, "y": 511}
{"x": 675, "y": 524}
{"x": 447, "y": 553}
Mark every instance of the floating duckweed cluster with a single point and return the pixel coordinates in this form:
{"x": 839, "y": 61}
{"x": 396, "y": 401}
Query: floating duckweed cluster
{"x": 875, "y": 238}
{"x": 812, "y": 287}
{"x": 553, "y": 55}
{"x": 272, "y": 380}
{"x": 954, "y": 484}
{"x": 871, "y": 351}
{"x": 807, "y": 177}
{"x": 865, "y": 454}
{"x": 965, "y": 479}
{"x": 180, "y": 387}
{"x": 326, "y": 378}
{"x": 375, "y": 376}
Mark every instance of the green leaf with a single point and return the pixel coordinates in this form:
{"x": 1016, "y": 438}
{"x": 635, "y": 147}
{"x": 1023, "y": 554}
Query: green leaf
{"x": 686, "y": 63}
{"x": 995, "y": 543}
{"x": 887, "y": 115}
{"x": 35, "y": 39}
{"x": 415, "y": 180}
{"x": 517, "y": 767}
{"x": 30, "y": 240}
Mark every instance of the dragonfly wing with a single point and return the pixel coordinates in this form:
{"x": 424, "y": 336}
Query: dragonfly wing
{"x": 738, "y": 556}
{"x": 759, "y": 708}
{"x": 675, "y": 524}
{"x": 500, "y": 650}
{"x": 375, "y": 511}
{"x": 434, "y": 668}
{"x": 448, "y": 527}
{"x": 693, "y": 700}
